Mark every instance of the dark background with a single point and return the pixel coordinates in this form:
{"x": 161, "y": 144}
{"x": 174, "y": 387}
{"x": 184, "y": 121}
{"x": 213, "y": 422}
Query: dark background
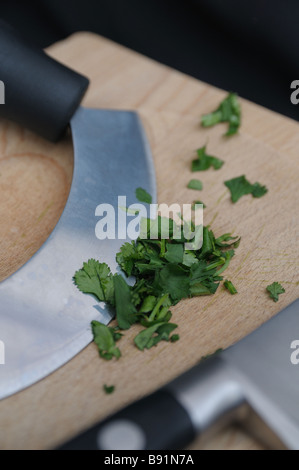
{"x": 250, "y": 47}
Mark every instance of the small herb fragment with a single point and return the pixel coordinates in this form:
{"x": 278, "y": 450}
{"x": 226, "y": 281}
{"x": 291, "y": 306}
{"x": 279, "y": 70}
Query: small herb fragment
{"x": 154, "y": 334}
{"x": 208, "y": 356}
{"x": 174, "y": 338}
{"x": 143, "y": 196}
{"x": 275, "y": 289}
{"x": 229, "y": 111}
{"x": 108, "y": 389}
{"x": 125, "y": 308}
{"x": 105, "y": 338}
{"x": 240, "y": 186}
{"x": 258, "y": 190}
{"x": 195, "y": 184}
{"x": 204, "y": 161}
{"x": 194, "y": 204}
{"x": 230, "y": 287}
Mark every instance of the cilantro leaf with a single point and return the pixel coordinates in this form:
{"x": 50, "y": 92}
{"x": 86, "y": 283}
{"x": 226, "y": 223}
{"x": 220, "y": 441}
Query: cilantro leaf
{"x": 229, "y": 111}
{"x": 143, "y": 196}
{"x": 204, "y": 161}
{"x": 240, "y": 186}
{"x": 174, "y": 253}
{"x": 103, "y": 337}
{"x": 195, "y": 184}
{"x": 152, "y": 335}
{"x": 275, "y": 289}
{"x": 189, "y": 258}
{"x": 125, "y": 309}
{"x": 258, "y": 190}
{"x": 230, "y": 287}
{"x": 175, "y": 281}
{"x": 96, "y": 278}
{"x": 128, "y": 255}
{"x": 108, "y": 389}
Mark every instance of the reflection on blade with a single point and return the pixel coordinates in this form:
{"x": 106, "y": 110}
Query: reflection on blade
{"x": 44, "y": 319}
{"x": 270, "y": 380}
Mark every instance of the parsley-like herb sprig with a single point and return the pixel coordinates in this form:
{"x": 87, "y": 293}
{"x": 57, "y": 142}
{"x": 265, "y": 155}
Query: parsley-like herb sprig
{"x": 229, "y": 111}
{"x": 274, "y": 290}
{"x": 240, "y": 186}
{"x": 204, "y": 161}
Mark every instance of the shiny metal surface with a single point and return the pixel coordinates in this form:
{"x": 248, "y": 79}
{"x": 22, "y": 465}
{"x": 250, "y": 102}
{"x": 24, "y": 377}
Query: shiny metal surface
{"x": 44, "y": 319}
{"x": 210, "y": 395}
{"x": 261, "y": 363}
{"x": 253, "y": 378}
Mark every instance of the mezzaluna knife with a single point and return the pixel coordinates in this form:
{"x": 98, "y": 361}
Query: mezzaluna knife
{"x": 44, "y": 319}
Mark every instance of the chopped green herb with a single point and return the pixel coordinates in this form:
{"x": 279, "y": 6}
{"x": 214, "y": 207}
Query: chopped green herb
{"x": 125, "y": 308}
{"x": 227, "y": 237}
{"x": 109, "y": 389}
{"x": 204, "y": 161}
{"x": 153, "y": 335}
{"x": 258, "y": 190}
{"x": 240, "y": 186}
{"x": 174, "y": 338}
{"x": 229, "y": 111}
{"x": 230, "y": 287}
{"x": 275, "y": 289}
{"x": 143, "y": 196}
{"x": 166, "y": 270}
{"x": 195, "y": 184}
{"x": 208, "y": 356}
{"x": 96, "y": 278}
{"x": 174, "y": 253}
{"x": 105, "y": 338}
{"x": 194, "y": 204}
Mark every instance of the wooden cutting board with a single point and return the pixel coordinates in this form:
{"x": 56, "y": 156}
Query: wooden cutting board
{"x": 35, "y": 178}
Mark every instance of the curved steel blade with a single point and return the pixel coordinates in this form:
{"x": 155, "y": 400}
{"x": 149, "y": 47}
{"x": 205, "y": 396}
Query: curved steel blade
{"x": 44, "y": 319}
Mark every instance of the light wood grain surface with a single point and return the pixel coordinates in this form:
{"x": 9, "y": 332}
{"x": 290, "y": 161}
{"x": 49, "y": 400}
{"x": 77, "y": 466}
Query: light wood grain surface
{"x": 35, "y": 178}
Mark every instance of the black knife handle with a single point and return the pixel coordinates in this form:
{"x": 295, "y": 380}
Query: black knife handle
{"x": 157, "y": 421}
{"x": 206, "y": 396}
{"x": 40, "y": 93}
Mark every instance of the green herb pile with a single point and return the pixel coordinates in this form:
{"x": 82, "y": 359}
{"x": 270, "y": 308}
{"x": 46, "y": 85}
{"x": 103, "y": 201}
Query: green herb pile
{"x": 165, "y": 272}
